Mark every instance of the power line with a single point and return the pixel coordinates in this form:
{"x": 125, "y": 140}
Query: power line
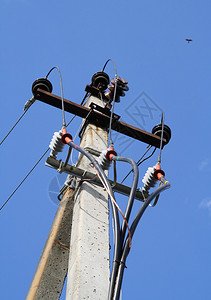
{"x": 13, "y": 126}
{"x": 140, "y": 161}
{"x": 40, "y": 157}
{"x": 24, "y": 179}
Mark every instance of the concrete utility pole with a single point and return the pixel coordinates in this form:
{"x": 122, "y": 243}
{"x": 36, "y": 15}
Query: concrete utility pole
{"x": 88, "y": 269}
{"x": 80, "y": 230}
{"x": 51, "y": 271}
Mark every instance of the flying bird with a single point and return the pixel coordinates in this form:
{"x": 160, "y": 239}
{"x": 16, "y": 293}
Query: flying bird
{"x": 188, "y": 40}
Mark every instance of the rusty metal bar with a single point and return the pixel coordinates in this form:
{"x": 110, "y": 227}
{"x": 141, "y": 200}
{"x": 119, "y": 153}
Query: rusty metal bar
{"x": 100, "y": 119}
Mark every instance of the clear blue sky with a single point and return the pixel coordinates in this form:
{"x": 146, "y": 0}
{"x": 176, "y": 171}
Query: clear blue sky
{"x": 170, "y": 256}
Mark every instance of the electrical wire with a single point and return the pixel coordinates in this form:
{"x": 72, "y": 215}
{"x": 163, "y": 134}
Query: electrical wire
{"x": 62, "y": 96}
{"x": 24, "y": 179}
{"x": 81, "y": 125}
{"x": 82, "y": 102}
{"x": 64, "y": 124}
{"x": 26, "y": 109}
{"x": 133, "y": 227}
{"x": 140, "y": 161}
{"x": 114, "y": 97}
{"x": 112, "y": 111}
{"x": 115, "y": 174}
{"x": 41, "y": 156}
{"x": 13, "y": 126}
{"x": 110, "y": 59}
{"x": 114, "y": 205}
{"x": 132, "y": 191}
{"x": 126, "y": 217}
{"x": 161, "y": 139}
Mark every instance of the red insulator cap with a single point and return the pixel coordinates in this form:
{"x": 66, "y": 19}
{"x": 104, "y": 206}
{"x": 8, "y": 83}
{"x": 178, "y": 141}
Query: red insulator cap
{"x": 158, "y": 172}
{"x": 66, "y": 137}
{"x": 110, "y": 153}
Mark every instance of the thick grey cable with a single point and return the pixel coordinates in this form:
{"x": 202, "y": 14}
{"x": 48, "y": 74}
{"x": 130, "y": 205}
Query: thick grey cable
{"x": 114, "y": 208}
{"x": 132, "y": 192}
{"x": 127, "y": 216}
{"x": 140, "y": 161}
{"x": 133, "y": 227}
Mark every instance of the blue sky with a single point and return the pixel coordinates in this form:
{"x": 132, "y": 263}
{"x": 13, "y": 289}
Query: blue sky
{"x": 170, "y": 256}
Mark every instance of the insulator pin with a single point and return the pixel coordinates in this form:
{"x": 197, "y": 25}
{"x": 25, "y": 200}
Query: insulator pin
{"x": 56, "y": 144}
{"x": 149, "y": 180}
{"x": 103, "y": 161}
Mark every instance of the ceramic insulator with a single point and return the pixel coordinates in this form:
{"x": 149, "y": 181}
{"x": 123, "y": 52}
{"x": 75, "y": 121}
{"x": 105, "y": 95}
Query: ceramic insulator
{"x": 149, "y": 180}
{"x": 56, "y": 145}
{"x": 103, "y": 161}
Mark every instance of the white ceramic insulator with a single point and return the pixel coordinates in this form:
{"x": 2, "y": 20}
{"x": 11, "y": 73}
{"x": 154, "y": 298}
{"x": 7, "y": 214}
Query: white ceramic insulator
{"x": 149, "y": 180}
{"x": 103, "y": 161}
{"x": 56, "y": 145}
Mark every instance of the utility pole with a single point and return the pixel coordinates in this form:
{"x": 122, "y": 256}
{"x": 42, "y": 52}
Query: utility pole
{"x": 78, "y": 243}
{"x": 88, "y": 269}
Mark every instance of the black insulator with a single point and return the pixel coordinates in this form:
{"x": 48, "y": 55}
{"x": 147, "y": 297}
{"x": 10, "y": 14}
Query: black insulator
{"x": 43, "y": 84}
{"x": 157, "y": 130}
{"x": 100, "y": 80}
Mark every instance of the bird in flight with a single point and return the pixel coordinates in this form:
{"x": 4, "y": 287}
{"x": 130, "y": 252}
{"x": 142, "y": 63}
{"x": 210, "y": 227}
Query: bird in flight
{"x": 188, "y": 40}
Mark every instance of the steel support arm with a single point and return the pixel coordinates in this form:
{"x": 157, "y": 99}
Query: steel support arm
{"x": 100, "y": 119}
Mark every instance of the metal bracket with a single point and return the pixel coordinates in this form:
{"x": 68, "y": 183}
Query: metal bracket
{"x": 118, "y": 187}
{"x": 103, "y": 110}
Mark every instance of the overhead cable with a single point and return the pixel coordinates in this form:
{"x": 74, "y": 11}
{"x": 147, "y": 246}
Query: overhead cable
{"x": 140, "y": 161}
{"x": 126, "y": 219}
{"x": 62, "y": 96}
{"x": 161, "y": 139}
{"x": 24, "y": 179}
{"x": 133, "y": 227}
{"x": 37, "y": 161}
{"x": 106, "y": 184}
{"x": 13, "y": 126}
